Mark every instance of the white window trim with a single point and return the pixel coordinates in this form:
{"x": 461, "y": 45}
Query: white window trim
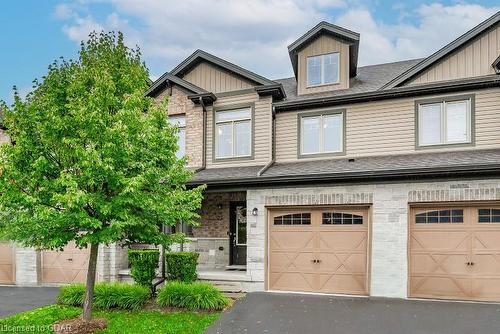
{"x": 322, "y": 57}
{"x": 233, "y": 133}
{"x": 443, "y": 118}
{"x": 321, "y": 134}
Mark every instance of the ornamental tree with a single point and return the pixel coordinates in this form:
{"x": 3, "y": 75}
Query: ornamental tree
{"x": 92, "y": 161}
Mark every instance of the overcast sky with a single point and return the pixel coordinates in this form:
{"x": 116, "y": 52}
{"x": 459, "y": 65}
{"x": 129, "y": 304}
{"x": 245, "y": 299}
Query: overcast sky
{"x": 253, "y": 33}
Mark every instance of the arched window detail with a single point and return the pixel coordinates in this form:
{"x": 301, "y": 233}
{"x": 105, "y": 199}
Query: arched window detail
{"x": 341, "y": 218}
{"x": 440, "y": 217}
{"x": 293, "y": 219}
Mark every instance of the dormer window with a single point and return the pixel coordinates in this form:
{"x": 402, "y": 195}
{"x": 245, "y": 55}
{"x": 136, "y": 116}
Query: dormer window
{"x": 323, "y": 69}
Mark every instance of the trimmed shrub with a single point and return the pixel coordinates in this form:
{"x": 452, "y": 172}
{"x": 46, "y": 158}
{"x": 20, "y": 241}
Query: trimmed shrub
{"x": 194, "y": 296}
{"x": 181, "y": 266}
{"x": 106, "y": 295}
{"x": 143, "y": 264}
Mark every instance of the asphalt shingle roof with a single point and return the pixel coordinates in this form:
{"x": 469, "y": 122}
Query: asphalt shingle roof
{"x": 369, "y": 166}
{"x": 369, "y": 78}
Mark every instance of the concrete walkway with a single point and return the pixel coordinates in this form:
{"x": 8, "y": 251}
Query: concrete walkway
{"x": 17, "y": 299}
{"x": 275, "y": 313}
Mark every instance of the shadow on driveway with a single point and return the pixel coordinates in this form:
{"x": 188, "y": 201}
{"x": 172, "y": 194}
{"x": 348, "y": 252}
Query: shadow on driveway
{"x": 17, "y": 299}
{"x": 272, "y": 313}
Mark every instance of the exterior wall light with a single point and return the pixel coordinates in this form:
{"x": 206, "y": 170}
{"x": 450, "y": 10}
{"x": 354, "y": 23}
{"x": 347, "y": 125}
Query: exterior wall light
{"x": 255, "y": 212}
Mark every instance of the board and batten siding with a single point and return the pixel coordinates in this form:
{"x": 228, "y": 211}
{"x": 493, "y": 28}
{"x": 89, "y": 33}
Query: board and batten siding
{"x": 388, "y": 127}
{"x": 261, "y": 129}
{"x": 472, "y": 60}
{"x": 216, "y": 80}
{"x": 323, "y": 45}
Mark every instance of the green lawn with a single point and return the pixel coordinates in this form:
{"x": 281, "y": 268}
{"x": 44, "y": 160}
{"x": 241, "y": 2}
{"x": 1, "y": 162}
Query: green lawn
{"x": 39, "y": 321}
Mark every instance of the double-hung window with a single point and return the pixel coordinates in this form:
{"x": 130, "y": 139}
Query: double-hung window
{"x": 233, "y": 133}
{"x": 445, "y": 122}
{"x": 321, "y": 133}
{"x": 180, "y": 122}
{"x": 323, "y": 69}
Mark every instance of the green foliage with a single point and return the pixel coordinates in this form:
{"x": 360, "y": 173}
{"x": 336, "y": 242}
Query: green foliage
{"x": 106, "y": 295}
{"x": 40, "y": 319}
{"x": 143, "y": 264}
{"x": 119, "y": 321}
{"x": 194, "y": 296}
{"x": 181, "y": 266}
{"x": 94, "y": 161}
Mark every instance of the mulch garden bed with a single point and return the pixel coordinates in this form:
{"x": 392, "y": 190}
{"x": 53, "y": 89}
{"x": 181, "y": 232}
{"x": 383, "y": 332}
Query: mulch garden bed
{"x": 78, "y": 326}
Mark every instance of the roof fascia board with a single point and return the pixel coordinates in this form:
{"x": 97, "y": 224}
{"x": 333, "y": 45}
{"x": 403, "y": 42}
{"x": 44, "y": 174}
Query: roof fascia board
{"x": 438, "y": 55}
{"x": 198, "y": 55}
{"x": 406, "y": 91}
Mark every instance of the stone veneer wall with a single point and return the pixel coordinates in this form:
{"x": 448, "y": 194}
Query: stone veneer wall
{"x": 389, "y": 220}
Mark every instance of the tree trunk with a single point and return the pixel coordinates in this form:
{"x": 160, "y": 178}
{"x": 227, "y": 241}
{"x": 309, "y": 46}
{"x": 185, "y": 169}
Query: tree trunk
{"x": 89, "y": 291}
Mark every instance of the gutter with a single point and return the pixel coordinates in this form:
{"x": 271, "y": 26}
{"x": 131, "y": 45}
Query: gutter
{"x": 273, "y": 144}
{"x": 407, "y": 91}
{"x": 204, "y": 137}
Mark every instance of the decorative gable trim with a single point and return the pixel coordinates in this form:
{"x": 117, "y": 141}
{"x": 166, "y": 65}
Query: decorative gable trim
{"x": 440, "y": 54}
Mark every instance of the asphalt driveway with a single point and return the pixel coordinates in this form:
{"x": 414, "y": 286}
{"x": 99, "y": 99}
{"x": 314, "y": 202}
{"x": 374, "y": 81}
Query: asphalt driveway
{"x": 262, "y": 312}
{"x": 16, "y": 299}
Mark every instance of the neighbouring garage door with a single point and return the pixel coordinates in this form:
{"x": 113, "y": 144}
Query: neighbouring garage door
{"x": 67, "y": 266}
{"x": 6, "y": 263}
{"x": 455, "y": 252}
{"x": 318, "y": 250}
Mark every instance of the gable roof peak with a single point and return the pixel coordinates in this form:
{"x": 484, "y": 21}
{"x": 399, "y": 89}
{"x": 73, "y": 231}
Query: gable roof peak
{"x": 323, "y": 27}
{"x": 441, "y": 53}
{"x": 200, "y": 55}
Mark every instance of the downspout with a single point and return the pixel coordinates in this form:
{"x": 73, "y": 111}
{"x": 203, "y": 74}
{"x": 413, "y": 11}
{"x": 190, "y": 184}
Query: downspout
{"x": 273, "y": 144}
{"x": 204, "y": 137}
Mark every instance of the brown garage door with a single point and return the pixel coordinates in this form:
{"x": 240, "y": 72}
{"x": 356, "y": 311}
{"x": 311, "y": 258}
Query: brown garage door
{"x": 67, "y": 266}
{"x": 6, "y": 263}
{"x": 318, "y": 250}
{"x": 455, "y": 252}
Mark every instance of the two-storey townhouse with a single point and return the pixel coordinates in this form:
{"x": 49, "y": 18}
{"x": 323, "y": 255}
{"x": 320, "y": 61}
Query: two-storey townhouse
{"x": 380, "y": 180}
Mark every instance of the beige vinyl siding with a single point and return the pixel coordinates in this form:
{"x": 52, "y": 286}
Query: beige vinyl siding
{"x": 388, "y": 127}
{"x": 472, "y": 60}
{"x": 261, "y": 130}
{"x": 323, "y": 45}
{"x": 216, "y": 80}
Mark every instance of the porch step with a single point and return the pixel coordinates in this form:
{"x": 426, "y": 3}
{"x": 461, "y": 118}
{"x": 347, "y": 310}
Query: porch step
{"x": 228, "y": 288}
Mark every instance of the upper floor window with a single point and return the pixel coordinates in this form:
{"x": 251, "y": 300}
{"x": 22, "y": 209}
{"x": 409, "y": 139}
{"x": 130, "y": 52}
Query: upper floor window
{"x": 323, "y": 69}
{"x": 322, "y": 133}
{"x": 445, "y": 122}
{"x": 180, "y": 121}
{"x": 233, "y": 133}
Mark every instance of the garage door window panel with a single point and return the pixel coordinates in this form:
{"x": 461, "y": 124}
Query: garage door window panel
{"x": 440, "y": 217}
{"x": 293, "y": 219}
{"x": 488, "y": 215}
{"x": 341, "y": 218}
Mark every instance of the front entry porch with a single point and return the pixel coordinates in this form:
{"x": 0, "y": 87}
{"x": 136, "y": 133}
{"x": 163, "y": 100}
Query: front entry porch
{"x": 221, "y": 237}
